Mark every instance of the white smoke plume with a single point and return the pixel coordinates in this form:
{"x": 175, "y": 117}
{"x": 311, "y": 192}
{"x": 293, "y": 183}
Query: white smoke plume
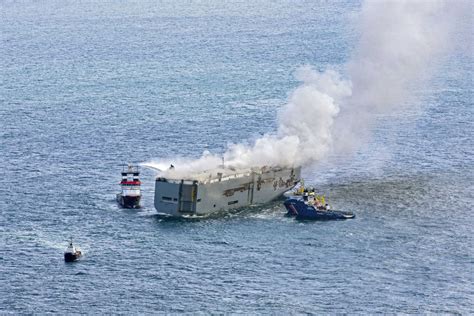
{"x": 399, "y": 43}
{"x": 303, "y": 136}
{"x": 399, "y": 46}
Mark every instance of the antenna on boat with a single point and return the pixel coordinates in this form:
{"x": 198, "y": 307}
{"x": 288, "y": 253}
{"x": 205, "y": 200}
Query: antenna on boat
{"x": 223, "y": 165}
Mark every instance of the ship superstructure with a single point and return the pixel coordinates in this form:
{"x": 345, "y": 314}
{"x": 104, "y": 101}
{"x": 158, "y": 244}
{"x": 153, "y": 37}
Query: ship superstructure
{"x": 222, "y": 189}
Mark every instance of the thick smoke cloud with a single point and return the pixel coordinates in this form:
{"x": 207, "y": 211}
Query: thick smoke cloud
{"x": 399, "y": 46}
{"x": 400, "y": 43}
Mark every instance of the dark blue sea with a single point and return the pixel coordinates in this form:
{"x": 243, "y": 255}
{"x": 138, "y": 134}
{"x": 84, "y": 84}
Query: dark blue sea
{"x": 87, "y": 86}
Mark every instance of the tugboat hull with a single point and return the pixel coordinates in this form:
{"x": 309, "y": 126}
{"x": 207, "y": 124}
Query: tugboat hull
{"x": 70, "y": 257}
{"x": 302, "y": 211}
{"x": 128, "y": 201}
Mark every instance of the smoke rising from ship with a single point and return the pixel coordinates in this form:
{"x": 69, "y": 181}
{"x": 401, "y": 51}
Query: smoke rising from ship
{"x": 399, "y": 46}
{"x": 399, "y": 43}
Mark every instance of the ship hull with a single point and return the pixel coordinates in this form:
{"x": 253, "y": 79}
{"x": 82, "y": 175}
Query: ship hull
{"x": 188, "y": 197}
{"x": 128, "y": 201}
{"x": 70, "y": 257}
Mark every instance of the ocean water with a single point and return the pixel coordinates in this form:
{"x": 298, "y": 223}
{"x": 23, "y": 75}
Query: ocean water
{"x": 86, "y": 87}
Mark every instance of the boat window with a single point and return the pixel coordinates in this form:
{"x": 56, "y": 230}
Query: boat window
{"x": 233, "y": 202}
{"x": 166, "y": 198}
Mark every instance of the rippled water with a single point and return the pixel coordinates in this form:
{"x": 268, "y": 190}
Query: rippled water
{"x": 86, "y": 87}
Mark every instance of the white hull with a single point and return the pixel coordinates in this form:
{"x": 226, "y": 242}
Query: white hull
{"x": 191, "y": 197}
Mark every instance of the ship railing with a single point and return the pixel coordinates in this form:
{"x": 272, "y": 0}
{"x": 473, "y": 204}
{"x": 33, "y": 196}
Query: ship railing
{"x": 205, "y": 178}
{"x": 211, "y": 178}
{"x": 175, "y": 181}
{"x": 228, "y": 177}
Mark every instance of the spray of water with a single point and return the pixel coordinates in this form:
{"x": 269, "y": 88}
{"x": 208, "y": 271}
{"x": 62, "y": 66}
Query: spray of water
{"x": 399, "y": 43}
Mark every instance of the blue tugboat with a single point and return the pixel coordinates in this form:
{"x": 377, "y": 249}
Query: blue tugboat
{"x": 306, "y": 205}
{"x": 302, "y": 210}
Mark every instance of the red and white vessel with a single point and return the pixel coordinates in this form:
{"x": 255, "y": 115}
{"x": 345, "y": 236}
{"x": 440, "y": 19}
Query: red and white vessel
{"x": 130, "y": 195}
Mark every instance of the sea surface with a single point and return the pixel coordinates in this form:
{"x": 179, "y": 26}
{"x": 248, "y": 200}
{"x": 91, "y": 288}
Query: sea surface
{"x": 87, "y": 86}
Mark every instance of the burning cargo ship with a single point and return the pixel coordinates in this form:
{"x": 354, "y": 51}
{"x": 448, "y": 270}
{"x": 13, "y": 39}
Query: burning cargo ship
{"x": 222, "y": 189}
